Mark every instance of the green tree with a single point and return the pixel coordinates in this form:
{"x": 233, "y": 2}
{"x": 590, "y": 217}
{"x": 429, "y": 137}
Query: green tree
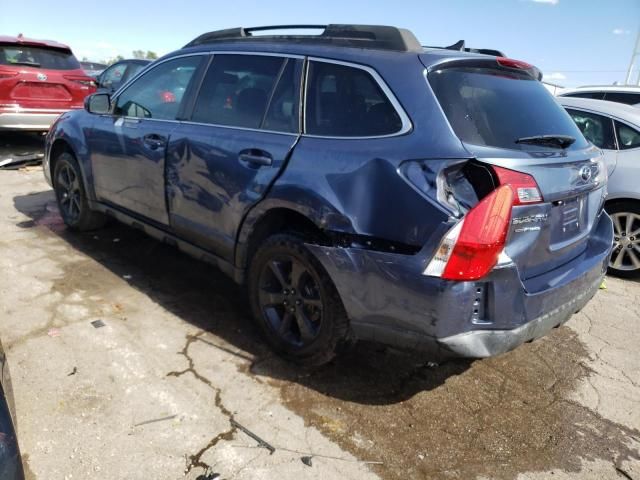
{"x": 151, "y": 55}
{"x": 138, "y": 54}
{"x": 111, "y": 61}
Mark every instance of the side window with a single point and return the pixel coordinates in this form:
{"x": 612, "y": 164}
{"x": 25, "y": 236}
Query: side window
{"x": 621, "y": 97}
{"x": 595, "y": 128}
{"x": 113, "y": 75}
{"x": 345, "y": 101}
{"x": 596, "y": 95}
{"x": 133, "y": 69}
{"x": 627, "y": 136}
{"x": 159, "y": 93}
{"x": 282, "y": 115}
{"x": 236, "y": 90}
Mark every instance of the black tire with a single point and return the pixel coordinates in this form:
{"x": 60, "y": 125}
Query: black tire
{"x": 310, "y": 302}
{"x": 625, "y": 259}
{"x": 72, "y": 197}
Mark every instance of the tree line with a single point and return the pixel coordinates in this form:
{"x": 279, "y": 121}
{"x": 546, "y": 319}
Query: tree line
{"x": 140, "y": 54}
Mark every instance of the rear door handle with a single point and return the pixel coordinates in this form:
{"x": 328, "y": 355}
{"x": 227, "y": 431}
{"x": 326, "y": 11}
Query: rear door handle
{"x": 154, "y": 141}
{"x": 256, "y": 158}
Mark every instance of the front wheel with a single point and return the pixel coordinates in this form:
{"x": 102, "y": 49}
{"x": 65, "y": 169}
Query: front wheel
{"x": 295, "y": 302}
{"x": 72, "y": 197}
{"x": 625, "y": 259}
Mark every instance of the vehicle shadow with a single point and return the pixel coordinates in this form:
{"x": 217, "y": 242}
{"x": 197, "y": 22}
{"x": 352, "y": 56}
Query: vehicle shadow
{"x": 203, "y": 296}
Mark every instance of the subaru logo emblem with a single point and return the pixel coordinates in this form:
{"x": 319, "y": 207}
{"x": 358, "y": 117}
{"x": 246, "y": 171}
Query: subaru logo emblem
{"x": 586, "y": 173}
{"x": 42, "y": 77}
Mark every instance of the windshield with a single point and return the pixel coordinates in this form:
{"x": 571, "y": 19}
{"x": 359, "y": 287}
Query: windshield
{"x": 38, "y": 57}
{"x": 496, "y": 108}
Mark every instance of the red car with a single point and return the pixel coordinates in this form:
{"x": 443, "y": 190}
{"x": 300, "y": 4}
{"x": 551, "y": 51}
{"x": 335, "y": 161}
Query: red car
{"x": 39, "y": 80}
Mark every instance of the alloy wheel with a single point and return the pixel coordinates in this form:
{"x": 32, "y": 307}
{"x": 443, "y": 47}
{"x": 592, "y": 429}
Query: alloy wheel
{"x": 626, "y": 247}
{"x": 69, "y": 193}
{"x": 290, "y": 300}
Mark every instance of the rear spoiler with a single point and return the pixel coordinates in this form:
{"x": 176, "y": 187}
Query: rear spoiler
{"x": 495, "y": 62}
{"x": 459, "y": 46}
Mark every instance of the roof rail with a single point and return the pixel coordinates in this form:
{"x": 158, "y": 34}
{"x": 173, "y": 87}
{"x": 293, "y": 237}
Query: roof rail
{"x": 378, "y": 37}
{"x": 459, "y": 46}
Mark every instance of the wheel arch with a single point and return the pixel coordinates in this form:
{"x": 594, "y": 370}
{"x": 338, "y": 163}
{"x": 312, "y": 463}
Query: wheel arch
{"x": 267, "y": 222}
{"x": 618, "y": 200}
{"x": 60, "y": 146}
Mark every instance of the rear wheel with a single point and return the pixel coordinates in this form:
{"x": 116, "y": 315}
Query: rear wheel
{"x": 295, "y": 302}
{"x": 72, "y": 197}
{"x": 625, "y": 259}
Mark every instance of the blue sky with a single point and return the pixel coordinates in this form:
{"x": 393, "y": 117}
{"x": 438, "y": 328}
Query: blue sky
{"x": 574, "y": 42}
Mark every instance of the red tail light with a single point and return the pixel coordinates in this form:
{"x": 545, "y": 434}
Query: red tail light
{"x": 524, "y": 186}
{"x": 481, "y": 237}
{"x": 470, "y": 250}
{"x": 86, "y": 81}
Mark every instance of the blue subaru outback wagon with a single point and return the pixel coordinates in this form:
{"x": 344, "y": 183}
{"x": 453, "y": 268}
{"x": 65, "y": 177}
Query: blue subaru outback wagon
{"x": 361, "y": 186}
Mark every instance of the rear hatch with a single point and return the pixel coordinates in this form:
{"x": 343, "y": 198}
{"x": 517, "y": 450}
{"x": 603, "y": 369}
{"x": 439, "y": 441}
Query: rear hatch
{"x": 506, "y": 118}
{"x": 41, "y": 77}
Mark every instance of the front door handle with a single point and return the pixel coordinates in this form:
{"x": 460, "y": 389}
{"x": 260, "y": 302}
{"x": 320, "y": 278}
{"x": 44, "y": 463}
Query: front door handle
{"x": 256, "y": 158}
{"x": 154, "y": 141}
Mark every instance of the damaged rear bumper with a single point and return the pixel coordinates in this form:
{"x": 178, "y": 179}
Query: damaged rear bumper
{"x": 487, "y": 343}
{"x": 389, "y": 300}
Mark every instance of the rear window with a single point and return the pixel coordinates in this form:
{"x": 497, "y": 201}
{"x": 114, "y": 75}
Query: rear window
{"x": 594, "y": 95}
{"x": 495, "y": 108}
{"x": 595, "y": 128}
{"x": 627, "y": 137}
{"x": 620, "y": 97}
{"x": 38, "y": 57}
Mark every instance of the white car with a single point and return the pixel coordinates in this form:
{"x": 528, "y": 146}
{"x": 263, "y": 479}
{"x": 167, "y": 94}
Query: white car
{"x": 615, "y": 128}
{"x": 627, "y": 94}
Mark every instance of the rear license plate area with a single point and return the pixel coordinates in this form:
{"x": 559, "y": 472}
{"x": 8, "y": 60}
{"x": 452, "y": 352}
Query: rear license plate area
{"x": 570, "y": 218}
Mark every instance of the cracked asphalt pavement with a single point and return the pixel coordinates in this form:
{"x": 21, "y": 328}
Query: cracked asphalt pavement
{"x": 152, "y": 393}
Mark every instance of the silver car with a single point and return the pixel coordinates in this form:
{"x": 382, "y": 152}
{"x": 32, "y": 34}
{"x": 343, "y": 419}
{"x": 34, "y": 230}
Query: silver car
{"x": 615, "y": 128}
{"x": 627, "y": 94}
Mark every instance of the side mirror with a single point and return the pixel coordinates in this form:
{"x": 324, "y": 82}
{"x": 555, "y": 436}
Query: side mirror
{"x": 98, "y": 103}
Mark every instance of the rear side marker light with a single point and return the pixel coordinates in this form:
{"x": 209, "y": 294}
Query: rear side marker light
{"x": 443, "y": 254}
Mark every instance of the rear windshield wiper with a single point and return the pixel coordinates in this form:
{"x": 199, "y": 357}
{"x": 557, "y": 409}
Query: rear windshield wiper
{"x": 562, "y": 141}
{"x": 28, "y": 64}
